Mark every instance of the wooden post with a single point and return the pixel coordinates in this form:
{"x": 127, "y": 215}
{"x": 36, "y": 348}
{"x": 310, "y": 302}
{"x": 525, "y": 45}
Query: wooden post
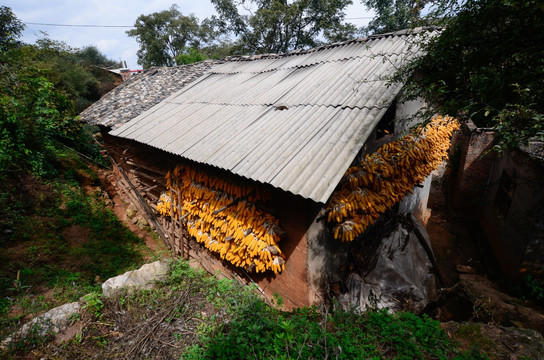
{"x": 172, "y": 223}
{"x": 145, "y": 206}
{"x": 180, "y": 218}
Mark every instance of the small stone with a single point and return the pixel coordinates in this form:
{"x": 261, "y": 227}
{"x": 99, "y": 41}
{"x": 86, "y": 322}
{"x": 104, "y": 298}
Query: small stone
{"x": 131, "y": 212}
{"x": 466, "y": 269}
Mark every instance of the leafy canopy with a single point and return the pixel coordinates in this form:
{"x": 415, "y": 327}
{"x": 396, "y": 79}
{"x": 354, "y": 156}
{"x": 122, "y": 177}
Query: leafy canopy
{"x": 488, "y": 64}
{"x": 165, "y": 35}
{"x": 42, "y": 88}
{"x": 279, "y": 26}
{"x": 393, "y": 15}
{"x": 11, "y": 28}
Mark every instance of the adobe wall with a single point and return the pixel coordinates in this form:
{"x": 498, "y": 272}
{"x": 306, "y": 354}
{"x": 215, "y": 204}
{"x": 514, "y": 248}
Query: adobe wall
{"x": 295, "y": 215}
{"x": 512, "y": 214}
{"x": 472, "y": 166}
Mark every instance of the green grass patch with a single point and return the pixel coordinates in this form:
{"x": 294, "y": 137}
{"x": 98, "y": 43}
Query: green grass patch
{"x": 251, "y": 329}
{"x": 193, "y": 315}
{"x": 60, "y": 248}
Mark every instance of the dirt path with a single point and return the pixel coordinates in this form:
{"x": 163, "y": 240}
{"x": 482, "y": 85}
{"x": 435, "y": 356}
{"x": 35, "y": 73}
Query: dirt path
{"x": 120, "y": 207}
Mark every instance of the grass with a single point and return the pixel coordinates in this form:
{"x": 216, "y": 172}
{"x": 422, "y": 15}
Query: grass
{"x": 196, "y": 316}
{"x": 58, "y": 250}
{"x": 61, "y": 247}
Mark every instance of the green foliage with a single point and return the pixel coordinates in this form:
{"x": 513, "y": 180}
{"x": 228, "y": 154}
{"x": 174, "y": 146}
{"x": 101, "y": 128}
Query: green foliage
{"x": 278, "y": 26}
{"x": 94, "y": 304}
{"x": 11, "y": 29}
{"x": 77, "y": 73}
{"x": 42, "y": 88}
{"x": 35, "y": 337}
{"x": 487, "y": 65}
{"x": 33, "y": 115}
{"x": 69, "y": 240}
{"x": 164, "y": 35}
{"x": 530, "y": 287}
{"x": 392, "y": 15}
{"x": 255, "y": 330}
{"x": 190, "y": 56}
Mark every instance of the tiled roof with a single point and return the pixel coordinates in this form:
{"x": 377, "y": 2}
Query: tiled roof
{"x": 295, "y": 121}
{"x": 141, "y": 92}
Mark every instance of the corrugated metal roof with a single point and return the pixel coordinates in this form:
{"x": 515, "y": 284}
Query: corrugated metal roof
{"x": 334, "y": 95}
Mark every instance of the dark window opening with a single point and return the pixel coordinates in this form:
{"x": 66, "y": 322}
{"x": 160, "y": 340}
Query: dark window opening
{"x": 386, "y": 125}
{"x": 505, "y": 193}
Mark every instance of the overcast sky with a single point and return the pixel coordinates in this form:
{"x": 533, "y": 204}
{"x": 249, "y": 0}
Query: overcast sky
{"x": 113, "y": 42}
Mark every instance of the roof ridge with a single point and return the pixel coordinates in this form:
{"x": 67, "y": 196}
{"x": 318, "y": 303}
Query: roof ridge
{"x": 409, "y": 31}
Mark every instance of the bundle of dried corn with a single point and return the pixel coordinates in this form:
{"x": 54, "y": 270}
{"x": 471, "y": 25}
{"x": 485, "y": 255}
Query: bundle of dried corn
{"x": 386, "y": 176}
{"x": 223, "y": 215}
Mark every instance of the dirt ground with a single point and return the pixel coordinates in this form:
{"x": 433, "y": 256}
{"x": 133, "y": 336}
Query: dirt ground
{"x": 120, "y": 207}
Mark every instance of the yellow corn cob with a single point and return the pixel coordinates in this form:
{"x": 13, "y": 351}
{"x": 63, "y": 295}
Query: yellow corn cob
{"x": 386, "y": 176}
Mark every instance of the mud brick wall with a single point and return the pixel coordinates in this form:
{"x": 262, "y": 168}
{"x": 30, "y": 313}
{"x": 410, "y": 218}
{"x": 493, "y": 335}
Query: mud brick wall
{"x": 473, "y": 168}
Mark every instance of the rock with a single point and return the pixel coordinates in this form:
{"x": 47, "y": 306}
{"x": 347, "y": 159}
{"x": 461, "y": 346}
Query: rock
{"x": 143, "y": 278}
{"x": 466, "y": 269}
{"x": 142, "y": 223}
{"x": 497, "y": 342}
{"x": 52, "y": 322}
{"x": 131, "y": 212}
{"x": 492, "y": 305}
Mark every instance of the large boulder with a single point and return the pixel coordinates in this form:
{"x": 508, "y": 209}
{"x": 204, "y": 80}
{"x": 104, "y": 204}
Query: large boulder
{"x": 52, "y": 322}
{"x": 143, "y": 278}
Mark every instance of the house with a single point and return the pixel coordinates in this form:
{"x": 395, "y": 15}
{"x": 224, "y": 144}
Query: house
{"x": 242, "y": 155}
{"x": 123, "y": 73}
{"x": 505, "y": 194}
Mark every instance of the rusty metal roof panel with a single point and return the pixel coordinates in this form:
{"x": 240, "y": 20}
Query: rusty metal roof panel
{"x": 332, "y": 98}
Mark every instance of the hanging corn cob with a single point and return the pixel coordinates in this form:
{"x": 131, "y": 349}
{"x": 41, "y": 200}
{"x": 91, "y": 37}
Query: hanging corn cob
{"x": 386, "y": 176}
{"x": 222, "y": 215}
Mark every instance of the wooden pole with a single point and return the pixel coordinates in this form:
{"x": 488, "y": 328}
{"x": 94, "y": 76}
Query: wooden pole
{"x": 172, "y": 223}
{"x": 141, "y": 200}
{"x": 180, "y": 227}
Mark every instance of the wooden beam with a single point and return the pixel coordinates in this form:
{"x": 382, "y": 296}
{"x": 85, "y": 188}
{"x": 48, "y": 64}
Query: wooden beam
{"x": 138, "y": 166}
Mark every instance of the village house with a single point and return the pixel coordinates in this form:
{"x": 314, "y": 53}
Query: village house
{"x": 264, "y": 139}
{"x": 504, "y": 194}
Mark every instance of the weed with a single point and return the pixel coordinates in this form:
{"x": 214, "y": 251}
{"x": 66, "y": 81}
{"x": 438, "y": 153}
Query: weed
{"x": 277, "y": 299}
{"x": 94, "y": 304}
{"x": 17, "y": 284}
{"x": 530, "y": 287}
{"x": 73, "y": 318}
{"x": 38, "y": 334}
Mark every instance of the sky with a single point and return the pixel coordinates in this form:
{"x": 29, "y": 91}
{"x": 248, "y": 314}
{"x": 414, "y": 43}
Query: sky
{"x": 113, "y": 41}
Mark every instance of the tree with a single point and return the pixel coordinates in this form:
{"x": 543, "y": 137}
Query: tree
{"x": 11, "y": 28}
{"x": 91, "y": 56}
{"x": 77, "y": 73}
{"x": 487, "y": 65}
{"x": 164, "y": 35}
{"x": 393, "y": 15}
{"x": 279, "y": 26}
